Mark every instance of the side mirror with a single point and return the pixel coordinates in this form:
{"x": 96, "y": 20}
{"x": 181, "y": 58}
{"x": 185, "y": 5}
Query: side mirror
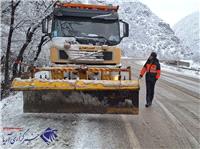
{"x": 124, "y": 29}
{"x": 45, "y": 26}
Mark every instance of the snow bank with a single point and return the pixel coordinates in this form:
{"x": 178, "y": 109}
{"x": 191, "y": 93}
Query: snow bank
{"x": 180, "y": 71}
{"x": 23, "y": 130}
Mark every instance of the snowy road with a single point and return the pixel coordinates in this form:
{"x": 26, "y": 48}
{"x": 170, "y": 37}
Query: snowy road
{"x": 186, "y": 84}
{"x": 172, "y": 122}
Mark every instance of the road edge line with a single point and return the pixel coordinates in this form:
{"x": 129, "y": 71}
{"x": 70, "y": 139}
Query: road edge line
{"x": 134, "y": 143}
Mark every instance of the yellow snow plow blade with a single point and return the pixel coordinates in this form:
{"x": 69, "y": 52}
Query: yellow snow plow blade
{"x": 79, "y": 96}
{"x": 41, "y": 84}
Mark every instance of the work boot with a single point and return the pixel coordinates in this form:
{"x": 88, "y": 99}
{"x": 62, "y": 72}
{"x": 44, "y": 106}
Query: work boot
{"x": 148, "y": 104}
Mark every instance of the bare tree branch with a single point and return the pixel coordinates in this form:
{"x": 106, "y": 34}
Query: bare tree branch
{"x": 7, "y": 9}
{"x": 42, "y": 41}
{"x": 9, "y": 43}
{"x": 29, "y": 35}
{"x": 15, "y": 5}
{"x": 19, "y": 23}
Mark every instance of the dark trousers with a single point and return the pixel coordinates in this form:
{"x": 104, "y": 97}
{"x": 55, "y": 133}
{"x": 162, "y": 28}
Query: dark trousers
{"x": 150, "y": 85}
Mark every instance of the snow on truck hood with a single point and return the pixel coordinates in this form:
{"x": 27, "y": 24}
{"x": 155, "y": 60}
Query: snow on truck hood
{"x": 58, "y": 42}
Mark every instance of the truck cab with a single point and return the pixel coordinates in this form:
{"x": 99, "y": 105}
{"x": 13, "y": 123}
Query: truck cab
{"x": 85, "y": 34}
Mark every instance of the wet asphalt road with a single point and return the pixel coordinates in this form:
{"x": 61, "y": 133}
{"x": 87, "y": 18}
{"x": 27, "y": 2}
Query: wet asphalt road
{"x": 173, "y": 121}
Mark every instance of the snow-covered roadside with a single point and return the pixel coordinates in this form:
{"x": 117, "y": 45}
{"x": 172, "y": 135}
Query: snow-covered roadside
{"x": 176, "y": 70}
{"x": 24, "y": 130}
{"x": 181, "y": 71}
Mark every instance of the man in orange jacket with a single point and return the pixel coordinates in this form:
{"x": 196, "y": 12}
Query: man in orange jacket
{"x": 152, "y": 70}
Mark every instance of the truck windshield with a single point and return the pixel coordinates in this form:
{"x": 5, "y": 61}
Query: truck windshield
{"x": 98, "y": 30}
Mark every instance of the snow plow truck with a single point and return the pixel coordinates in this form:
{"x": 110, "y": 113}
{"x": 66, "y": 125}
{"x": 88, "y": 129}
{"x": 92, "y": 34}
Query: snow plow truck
{"x": 85, "y": 74}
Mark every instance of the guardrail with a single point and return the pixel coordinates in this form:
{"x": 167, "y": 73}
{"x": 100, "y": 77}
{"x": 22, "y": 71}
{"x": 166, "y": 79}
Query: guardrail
{"x": 176, "y": 63}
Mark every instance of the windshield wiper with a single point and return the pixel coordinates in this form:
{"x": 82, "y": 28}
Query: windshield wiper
{"x": 110, "y": 16}
{"x": 98, "y": 36}
{"x": 69, "y": 29}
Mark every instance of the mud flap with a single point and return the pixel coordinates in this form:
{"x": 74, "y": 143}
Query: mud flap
{"x": 60, "y": 101}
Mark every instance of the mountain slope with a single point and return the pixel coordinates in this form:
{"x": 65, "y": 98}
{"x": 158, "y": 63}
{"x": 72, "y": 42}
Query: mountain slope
{"x": 188, "y": 30}
{"x": 148, "y": 32}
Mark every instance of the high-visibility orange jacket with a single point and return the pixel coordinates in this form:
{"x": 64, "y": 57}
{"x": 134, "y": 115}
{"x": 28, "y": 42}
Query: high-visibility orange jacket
{"x": 152, "y": 69}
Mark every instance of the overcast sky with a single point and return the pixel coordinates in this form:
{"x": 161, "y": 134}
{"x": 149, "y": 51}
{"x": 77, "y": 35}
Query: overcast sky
{"x": 172, "y": 11}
